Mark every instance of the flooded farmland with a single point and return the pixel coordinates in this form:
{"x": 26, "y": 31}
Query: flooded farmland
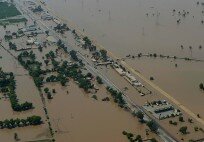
{"x": 64, "y": 88}
{"x": 158, "y": 26}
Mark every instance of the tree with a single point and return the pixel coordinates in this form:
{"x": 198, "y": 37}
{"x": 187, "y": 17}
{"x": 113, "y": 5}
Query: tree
{"x": 140, "y": 115}
{"x": 138, "y": 138}
{"x": 46, "y": 90}
{"x": 46, "y": 62}
{"x": 99, "y": 80}
{"x": 40, "y": 48}
{"x": 47, "y": 33}
{"x": 153, "y": 140}
{"x": 183, "y": 130}
{"x": 201, "y": 86}
{"x": 73, "y": 54}
{"x": 181, "y": 119}
{"x": 152, "y": 125}
{"x": 16, "y": 137}
{"x": 53, "y": 91}
{"x": 151, "y": 78}
{"x": 103, "y": 54}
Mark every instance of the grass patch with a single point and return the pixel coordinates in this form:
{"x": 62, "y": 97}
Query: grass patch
{"x": 8, "y": 10}
{"x": 11, "y": 21}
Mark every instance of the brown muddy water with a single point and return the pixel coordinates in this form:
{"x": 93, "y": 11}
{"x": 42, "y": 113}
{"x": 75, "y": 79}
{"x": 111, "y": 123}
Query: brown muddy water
{"x": 78, "y": 117}
{"x": 148, "y": 26}
{"x": 26, "y": 91}
{"x": 74, "y": 116}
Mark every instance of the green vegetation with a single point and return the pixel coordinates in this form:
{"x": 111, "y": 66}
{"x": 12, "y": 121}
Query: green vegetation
{"x": 136, "y": 138}
{"x": 99, "y": 80}
{"x": 12, "y": 46}
{"x": 61, "y": 28}
{"x": 152, "y": 125}
{"x": 61, "y": 45}
{"x": 8, "y": 86}
{"x": 183, "y": 130}
{"x": 95, "y": 97}
{"x": 131, "y": 137}
{"x": 104, "y": 54}
{"x": 87, "y": 44}
{"x": 11, "y": 21}
{"x": 140, "y": 115}
{"x": 47, "y": 91}
{"x": 27, "y": 60}
{"x": 118, "y": 97}
{"x": 37, "y": 9}
{"x": 173, "y": 123}
{"x": 201, "y": 86}
{"x": 73, "y": 54}
{"x": 151, "y": 78}
{"x": 181, "y": 119}
{"x": 13, "y": 123}
{"x": 8, "y": 10}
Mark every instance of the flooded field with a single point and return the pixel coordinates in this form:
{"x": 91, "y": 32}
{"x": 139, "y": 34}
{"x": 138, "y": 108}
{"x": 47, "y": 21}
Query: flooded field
{"x": 67, "y": 88}
{"x": 171, "y": 28}
{"x": 87, "y": 119}
{"x": 26, "y": 91}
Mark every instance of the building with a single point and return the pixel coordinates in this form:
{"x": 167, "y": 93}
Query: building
{"x": 30, "y": 41}
{"x": 120, "y": 71}
{"x": 51, "y": 39}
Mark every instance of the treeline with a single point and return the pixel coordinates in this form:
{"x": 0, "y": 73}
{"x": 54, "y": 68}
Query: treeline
{"x": 75, "y": 73}
{"x": 14, "y": 123}
{"x": 8, "y": 85}
{"x": 27, "y": 60}
{"x": 136, "y": 138}
{"x": 117, "y": 96}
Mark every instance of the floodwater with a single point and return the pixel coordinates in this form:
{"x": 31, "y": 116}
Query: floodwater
{"x": 26, "y": 91}
{"x": 86, "y": 119}
{"x": 74, "y": 116}
{"x": 148, "y": 26}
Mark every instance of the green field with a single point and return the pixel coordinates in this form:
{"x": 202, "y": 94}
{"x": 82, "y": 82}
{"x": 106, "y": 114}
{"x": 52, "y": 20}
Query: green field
{"x": 8, "y": 10}
{"x": 11, "y": 21}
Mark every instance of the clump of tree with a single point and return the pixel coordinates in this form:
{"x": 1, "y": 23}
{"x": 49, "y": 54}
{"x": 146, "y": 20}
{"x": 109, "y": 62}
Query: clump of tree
{"x": 151, "y": 78}
{"x": 104, "y": 54}
{"x": 152, "y": 125}
{"x": 140, "y": 116}
{"x": 88, "y": 44}
{"x": 12, "y": 46}
{"x": 28, "y": 61}
{"x": 7, "y": 81}
{"x": 201, "y": 86}
{"x": 117, "y": 96}
{"x": 95, "y": 97}
{"x": 50, "y": 55}
{"x": 13, "y": 123}
{"x": 48, "y": 93}
{"x": 62, "y": 46}
{"x": 66, "y": 71}
{"x": 61, "y": 28}
{"x": 181, "y": 119}
{"x": 131, "y": 137}
{"x": 172, "y": 122}
{"x": 8, "y": 37}
{"x": 99, "y": 80}
{"x": 183, "y": 130}
{"x": 37, "y": 9}
{"x": 73, "y": 55}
